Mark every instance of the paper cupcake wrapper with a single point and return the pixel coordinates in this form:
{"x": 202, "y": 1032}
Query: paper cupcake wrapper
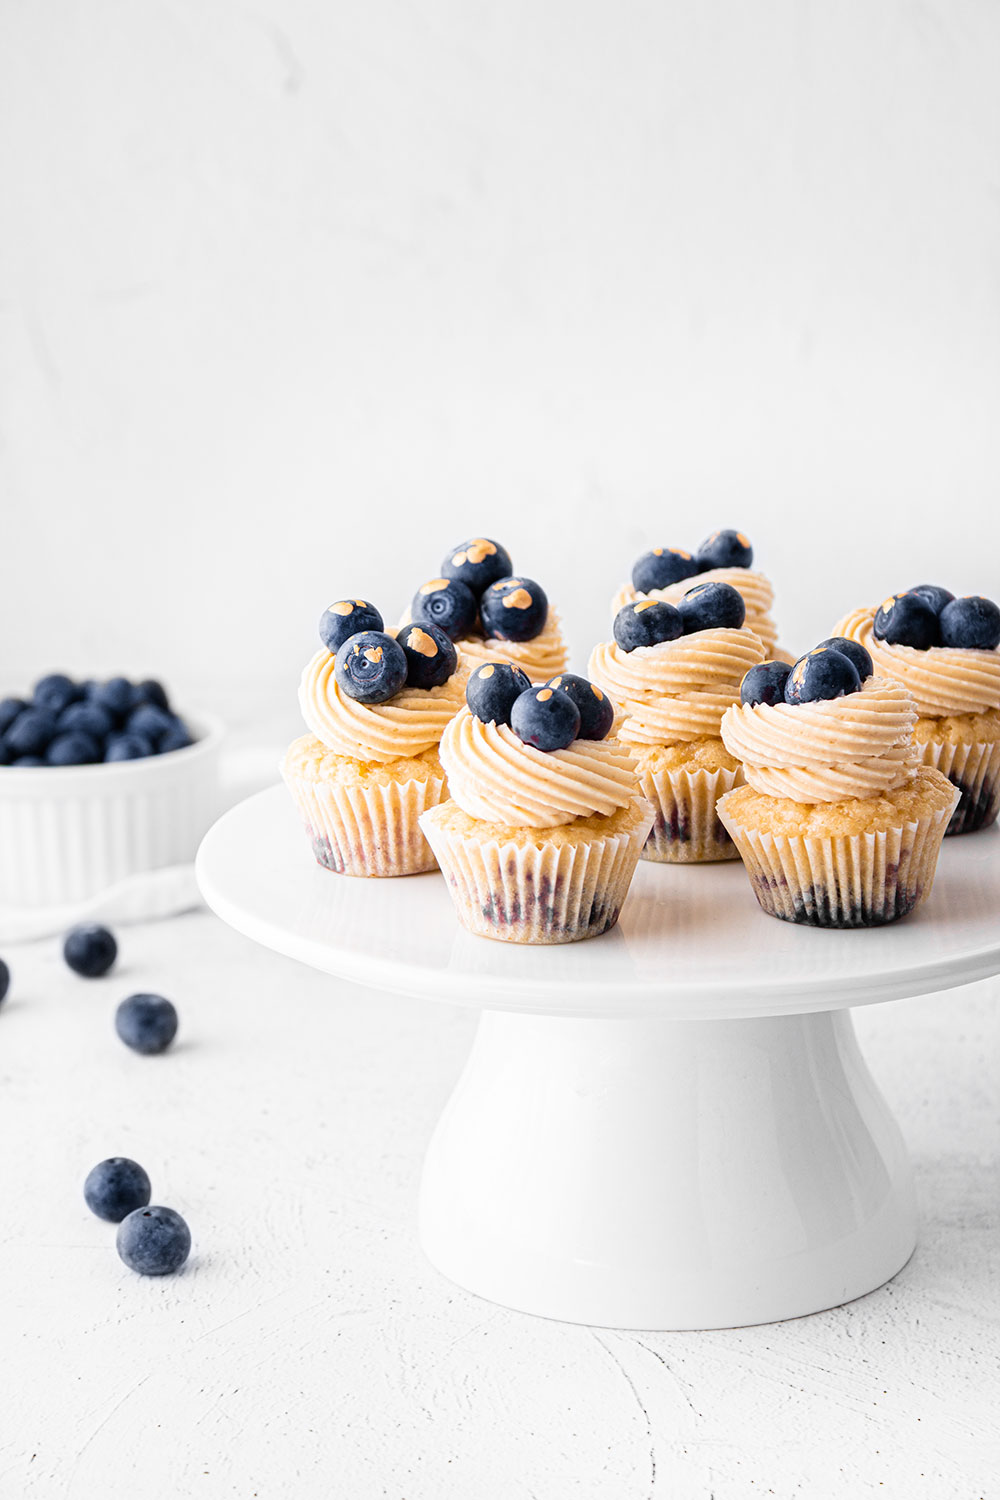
{"x": 529, "y": 894}
{"x": 368, "y": 830}
{"x": 846, "y": 880}
{"x": 686, "y": 827}
{"x": 974, "y": 767}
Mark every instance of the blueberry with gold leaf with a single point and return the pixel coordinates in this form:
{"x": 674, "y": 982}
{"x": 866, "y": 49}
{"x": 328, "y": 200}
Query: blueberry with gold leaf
{"x": 447, "y": 603}
{"x": 545, "y": 718}
{"x": 345, "y": 618}
{"x": 597, "y": 713}
{"x": 370, "y": 667}
{"x": 514, "y": 609}
{"x": 647, "y": 622}
{"x": 430, "y": 654}
{"x": 492, "y": 690}
{"x": 477, "y": 563}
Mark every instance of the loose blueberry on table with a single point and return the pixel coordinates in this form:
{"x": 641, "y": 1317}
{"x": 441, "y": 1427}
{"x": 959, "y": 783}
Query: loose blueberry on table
{"x": 448, "y": 603}
{"x": 477, "y": 563}
{"x": 90, "y": 950}
{"x": 4, "y": 981}
{"x": 146, "y": 1023}
{"x": 647, "y": 622}
{"x": 371, "y": 667}
{"x": 346, "y": 618}
{"x": 712, "y": 606}
{"x": 597, "y": 712}
{"x": 493, "y": 689}
{"x": 116, "y": 1187}
{"x": 514, "y": 609}
{"x": 545, "y": 718}
{"x": 153, "y": 1241}
{"x": 430, "y": 654}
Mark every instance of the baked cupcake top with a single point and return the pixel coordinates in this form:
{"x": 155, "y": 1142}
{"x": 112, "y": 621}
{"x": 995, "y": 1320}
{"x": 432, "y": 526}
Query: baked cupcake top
{"x": 376, "y": 695}
{"x": 674, "y": 671}
{"x": 535, "y": 757}
{"x": 943, "y": 679}
{"x": 667, "y": 573}
{"x": 824, "y": 730}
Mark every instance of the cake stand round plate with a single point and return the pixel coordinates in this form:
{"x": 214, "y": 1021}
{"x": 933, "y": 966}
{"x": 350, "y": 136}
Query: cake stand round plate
{"x": 670, "y": 1126}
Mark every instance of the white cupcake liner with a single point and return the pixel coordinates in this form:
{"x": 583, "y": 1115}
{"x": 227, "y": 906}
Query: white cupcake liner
{"x": 367, "y": 829}
{"x": 686, "y": 826}
{"x": 844, "y": 880}
{"x": 527, "y": 893}
{"x": 974, "y": 767}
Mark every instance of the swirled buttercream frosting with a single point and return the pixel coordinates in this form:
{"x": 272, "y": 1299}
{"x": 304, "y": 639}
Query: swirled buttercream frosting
{"x": 943, "y": 679}
{"x": 758, "y": 596}
{"x": 406, "y": 725}
{"x": 678, "y": 690}
{"x": 495, "y": 777}
{"x": 857, "y": 746}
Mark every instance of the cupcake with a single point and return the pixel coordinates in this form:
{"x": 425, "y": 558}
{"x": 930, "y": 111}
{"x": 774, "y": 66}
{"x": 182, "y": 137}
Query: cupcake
{"x": 376, "y": 705}
{"x": 944, "y": 650}
{"x": 725, "y": 557}
{"x": 838, "y": 824}
{"x": 674, "y": 670}
{"x": 491, "y": 614}
{"x": 543, "y": 831}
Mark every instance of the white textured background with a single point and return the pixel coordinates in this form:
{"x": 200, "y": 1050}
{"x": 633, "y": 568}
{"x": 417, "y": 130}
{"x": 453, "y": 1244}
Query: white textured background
{"x": 295, "y": 295}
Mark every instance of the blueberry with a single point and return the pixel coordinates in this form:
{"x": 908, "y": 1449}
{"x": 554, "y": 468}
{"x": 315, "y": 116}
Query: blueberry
{"x": 346, "y": 618}
{"x": 907, "y": 620}
{"x": 477, "y": 564}
{"x": 821, "y": 674}
{"x": 149, "y": 722}
{"x": 90, "y": 950}
{"x": 117, "y": 695}
{"x": 153, "y": 692}
{"x": 546, "y": 718}
{"x": 28, "y": 761}
{"x": 724, "y": 549}
{"x": 72, "y": 749}
{"x": 177, "y": 737}
{"x": 4, "y": 981}
{"x": 371, "y": 667}
{"x": 146, "y": 1023}
{"x": 116, "y": 1187}
{"x": 662, "y": 567}
{"x": 597, "y": 713}
{"x": 87, "y": 718}
{"x": 853, "y": 650}
{"x": 972, "y": 623}
{"x": 127, "y": 747}
{"x": 647, "y": 622}
{"x": 153, "y": 1241}
{"x": 30, "y": 732}
{"x": 936, "y": 597}
{"x": 431, "y": 657}
{"x": 447, "y": 603}
{"x": 55, "y": 692}
{"x": 765, "y": 683}
{"x": 493, "y": 689}
{"x": 9, "y": 710}
{"x": 712, "y": 606}
{"x": 514, "y": 609}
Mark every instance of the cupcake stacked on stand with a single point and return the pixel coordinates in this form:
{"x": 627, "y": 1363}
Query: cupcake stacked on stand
{"x": 945, "y": 652}
{"x": 667, "y": 573}
{"x": 376, "y": 705}
{"x": 673, "y": 671}
{"x": 491, "y": 613}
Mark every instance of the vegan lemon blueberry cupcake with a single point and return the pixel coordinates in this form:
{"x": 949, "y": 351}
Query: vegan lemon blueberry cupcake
{"x": 838, "y": 823}
{"x": 944, "y": 650}
{"x": 376, "y": 705}
{"x": 725, "y": 557}
{"x": 673, "y": 671}
{"x": 491, "y": 614}
{"x": 543, "y": 831}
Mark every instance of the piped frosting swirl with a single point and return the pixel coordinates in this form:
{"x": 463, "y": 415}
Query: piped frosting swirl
{"x": 856, "y": 746}
{"x": 758, "y": 596}
{"x": 943, "y": 679}
{"x": 406, "y": 725}
{"x": 679, "y": 690}
{"x": 495, "y": 777}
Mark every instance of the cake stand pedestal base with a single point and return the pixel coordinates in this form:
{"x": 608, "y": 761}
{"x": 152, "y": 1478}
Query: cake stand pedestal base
{"x": 667, "y": 1174}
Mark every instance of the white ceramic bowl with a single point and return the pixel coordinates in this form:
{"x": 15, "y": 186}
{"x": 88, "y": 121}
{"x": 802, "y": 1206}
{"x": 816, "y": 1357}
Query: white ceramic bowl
{"x": 69, "y": 832}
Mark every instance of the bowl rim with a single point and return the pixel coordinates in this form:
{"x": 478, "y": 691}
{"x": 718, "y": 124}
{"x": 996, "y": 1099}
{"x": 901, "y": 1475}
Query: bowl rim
{"x": 212, "y": 732}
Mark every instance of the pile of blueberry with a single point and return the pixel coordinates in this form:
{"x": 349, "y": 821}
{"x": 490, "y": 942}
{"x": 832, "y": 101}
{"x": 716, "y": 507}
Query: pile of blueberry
{"x": 152, "y": 1240}
{"x": 928, "y": 616}
{"x": 371, "y": 665}
{"x": 67, "y": 723}
{"x": 478, "y": 594}
{"x": 550, "y": 717}
{"x": 835, "y": 667}
{"x": 708, "y": 606}
{"x": 667, "y": 565}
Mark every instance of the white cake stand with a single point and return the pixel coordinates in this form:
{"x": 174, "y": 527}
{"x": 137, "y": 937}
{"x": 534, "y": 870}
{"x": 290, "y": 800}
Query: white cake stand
{"x": 668, "y": 1127}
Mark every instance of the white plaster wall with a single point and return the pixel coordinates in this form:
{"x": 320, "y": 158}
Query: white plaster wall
{"x": 294, "y": 295}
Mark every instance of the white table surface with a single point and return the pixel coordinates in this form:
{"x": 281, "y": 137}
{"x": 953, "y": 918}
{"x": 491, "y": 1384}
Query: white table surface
{"x": 309, "y": 1350}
